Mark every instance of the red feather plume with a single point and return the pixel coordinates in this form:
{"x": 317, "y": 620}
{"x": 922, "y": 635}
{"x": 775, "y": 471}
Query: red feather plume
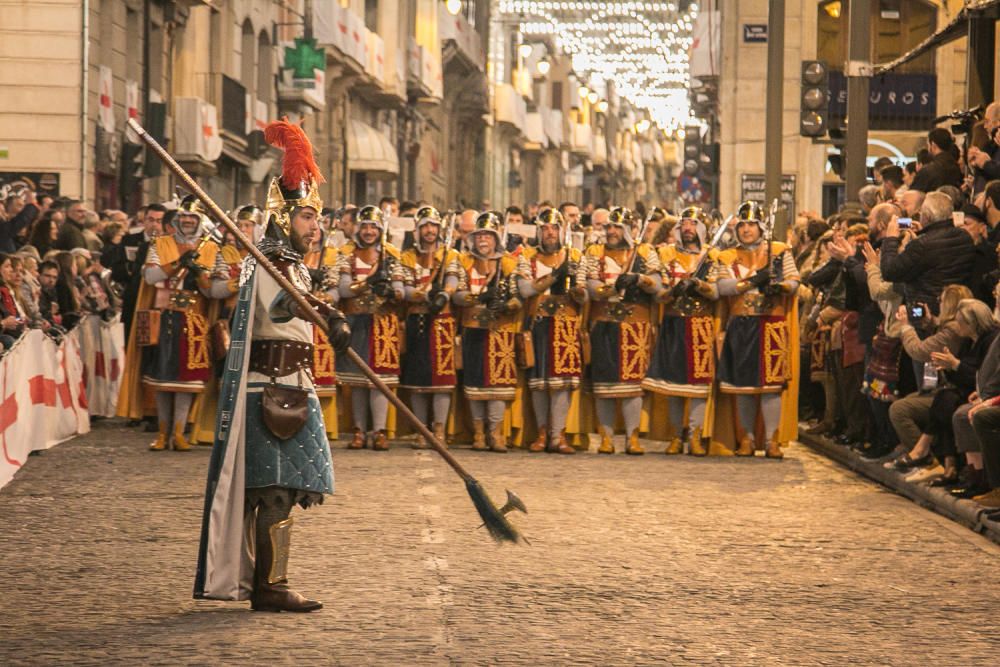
{"x": 299, "y": 165}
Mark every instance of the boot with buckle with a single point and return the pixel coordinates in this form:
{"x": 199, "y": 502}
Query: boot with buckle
{"x": 699, "y": 445}
{"x": 359, "y": 441}
{"x": 632, "y": 445}
{"x": 560, "y": 445}
{"x": 479, "y": 435}
{"x": 607, "y": 446}
{"x": 496, "y": 439}
{"x": 746, "y": 447}
{"x": 179, "y": 442}
{"x": 270, "y": 583}
{"x": 541, "y": 442}
{"x": 161, "y": 440}
{"x": 380, "y": 441}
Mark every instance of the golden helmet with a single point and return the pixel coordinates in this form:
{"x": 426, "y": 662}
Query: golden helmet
{"x": 298, "y": 185}
{"x": 621, "y": 216}
{"x": 750, "y": 211}
{"x": 550, "y": 216}
{"x": 427, "y": 215}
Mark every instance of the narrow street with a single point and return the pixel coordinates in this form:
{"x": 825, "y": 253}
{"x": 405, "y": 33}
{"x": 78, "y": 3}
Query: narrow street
{"x": 632, "y": 560}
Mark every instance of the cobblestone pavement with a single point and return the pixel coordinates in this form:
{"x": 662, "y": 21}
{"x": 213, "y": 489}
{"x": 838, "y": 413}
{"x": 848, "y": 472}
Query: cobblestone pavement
{"x": 632, "y": 561}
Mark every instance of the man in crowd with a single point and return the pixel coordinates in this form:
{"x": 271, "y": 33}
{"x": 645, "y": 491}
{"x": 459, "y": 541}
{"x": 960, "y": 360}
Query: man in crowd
{"x": 985, "y": 161}
{"x": 48, "y": 299}
{"x": 547, "y": 281}
{"x": 571, "y": 214}
{"x": 16, "y": 215}
{"x": 71, "y": 231}
{"x": 126, "y": 259}
{"x": 466, "y": 225}
{"x": 892, "y": 181}
{"x": 943, "y": 168}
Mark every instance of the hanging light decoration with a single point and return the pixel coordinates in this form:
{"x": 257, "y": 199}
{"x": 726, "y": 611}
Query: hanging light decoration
{"x": 593, "y": 97}
{"x": 453, "y": 6}
{"x": 524, "y": 50}
{"x": 543, "y": 66}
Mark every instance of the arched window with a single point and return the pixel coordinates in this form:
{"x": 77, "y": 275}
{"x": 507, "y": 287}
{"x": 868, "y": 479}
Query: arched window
{"x": 248, "y": 57}
{"x": 265, "y": 69}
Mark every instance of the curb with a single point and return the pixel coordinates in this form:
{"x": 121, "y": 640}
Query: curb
{"x": 964, "y": 512}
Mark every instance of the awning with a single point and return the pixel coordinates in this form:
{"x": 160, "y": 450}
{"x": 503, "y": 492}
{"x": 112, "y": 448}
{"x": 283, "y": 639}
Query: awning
{"x": 957, "y": 28}
{"x": 370, "y": 151}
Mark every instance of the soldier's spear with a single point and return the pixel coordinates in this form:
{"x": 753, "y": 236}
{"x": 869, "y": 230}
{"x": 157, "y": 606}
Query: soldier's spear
{"x": 493, "y": 517}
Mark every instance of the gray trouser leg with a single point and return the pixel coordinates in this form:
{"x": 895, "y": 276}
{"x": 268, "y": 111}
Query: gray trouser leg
{"x": 746, "y": 406}
{"x": 380, "y": 409}
{"x": 558, "y": 411}
{"x": 478, "y": 410}
{"x": 495, "y": 412}
{"x": 910, "y": 416}
{"x": 165, "y": 408}
{"x": 419, "y": 404}
{"x": 675, "y": 406}
{"x": 632, "y": 413}
{"x": 442, "y": 404}
{"x": 696, "y": 418}
{"x": 606, "y": 413}
{"x": 540, "y": 402}
{"x": 770, "y": 410}
{"x": 182, "y": 406}
{"x": 359, "y": 407}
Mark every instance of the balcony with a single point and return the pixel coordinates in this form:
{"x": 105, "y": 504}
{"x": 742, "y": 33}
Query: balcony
{"x": 196, "y": 135}
{"x": 510, "y": 106}
{"x": 459, "y": 39}
{"x": 554, "y": 127}
{"x": 342, "y": 29}
{"x": 534, "y": 131}
{"x": 581, "y": 141}
{"x": 423, "y": 72}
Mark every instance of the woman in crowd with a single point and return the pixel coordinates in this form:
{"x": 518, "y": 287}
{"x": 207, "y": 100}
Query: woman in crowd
{"x": 44, "y": 234}
{"x": 11, "y": 316}
{"x": 910, "y": 416}
{"x": 67, "y": 292}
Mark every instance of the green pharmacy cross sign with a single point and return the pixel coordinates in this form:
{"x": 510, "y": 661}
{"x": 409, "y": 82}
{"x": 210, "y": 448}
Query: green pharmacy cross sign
{"x": 303, "y": 58}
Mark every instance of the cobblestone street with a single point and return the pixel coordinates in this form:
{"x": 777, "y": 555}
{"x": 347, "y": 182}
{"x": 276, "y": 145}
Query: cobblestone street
{"x": 632, "y": 560}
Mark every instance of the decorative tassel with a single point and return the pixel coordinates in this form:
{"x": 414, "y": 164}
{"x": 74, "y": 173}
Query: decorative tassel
{"x": 299, "y": 166}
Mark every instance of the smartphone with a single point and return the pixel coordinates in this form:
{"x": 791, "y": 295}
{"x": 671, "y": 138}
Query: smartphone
{"x": 904, "y": 223}
{"x": 917, "y": 312}
{"x": 958, "y": 218}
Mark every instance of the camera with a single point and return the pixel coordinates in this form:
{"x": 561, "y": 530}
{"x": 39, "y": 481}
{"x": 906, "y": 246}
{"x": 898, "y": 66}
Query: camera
{"x": 917, "y": 312}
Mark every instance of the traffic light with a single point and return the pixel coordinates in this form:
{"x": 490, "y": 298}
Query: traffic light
{"x": 692, "y": 150}
{"x": 815, "y": 102}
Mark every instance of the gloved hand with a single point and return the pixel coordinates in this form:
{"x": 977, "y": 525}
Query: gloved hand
{"x": 683, "y": 288}
{"x": 626, "y": 280}
{"x": 317, "y": 276}
{"x": 760, "y": 279}
{"x": 189, "y": 261}
{"x": 488, "y": 295}
{"x": 560, "y": 273}
{"x": 381, "y": 286}
{"x": 497, "y": 305}
{"x": 339, "y": 331}
{"x": 437, "y": 300}
{"x": 774, "y": 289}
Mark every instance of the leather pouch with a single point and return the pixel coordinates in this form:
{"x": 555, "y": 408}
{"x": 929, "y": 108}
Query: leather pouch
{"x": 220, "y": 339}
{"x": 285, "y": 410}
{"x": 147, "y": 327}
{"x": 458, "y": 353}
{"x": 524, "y": 350}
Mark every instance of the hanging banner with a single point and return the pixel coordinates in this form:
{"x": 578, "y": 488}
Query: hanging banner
{"x": 42, "y": 397}
{"x": 105, "y": 98}
{"x": 131, "y": 108}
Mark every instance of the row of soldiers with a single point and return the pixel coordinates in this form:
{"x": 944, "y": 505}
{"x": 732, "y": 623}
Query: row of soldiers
{"x": 691, "y": 322}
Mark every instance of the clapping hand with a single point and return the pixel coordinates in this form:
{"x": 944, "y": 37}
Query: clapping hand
{"x": 945, "y": 360}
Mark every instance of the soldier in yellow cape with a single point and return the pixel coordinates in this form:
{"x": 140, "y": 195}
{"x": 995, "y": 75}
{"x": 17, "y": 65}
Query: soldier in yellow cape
{"x": 759, "y": 279}
{"x": 621, "y": 276}
{"x": 547, "y": 281}
{"x": 370, "y": 284}
{"x": 488, "y": 295}
{"x": 429, "y": 360}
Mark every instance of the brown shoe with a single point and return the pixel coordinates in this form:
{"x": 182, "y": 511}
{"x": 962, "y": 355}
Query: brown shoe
{"x": 161, "y": 440}
{"x": 359, "y": 441}
{"x": 496, "y": 439}
{"x": 279, "y": 597}
{"x": 772, "y": 450}
{"x": 439, "y": 433}
{"x": 380, "y": 442}
{"x": 632, "y": 446}
{"x": 478, "y": 436}
{"x": 541, "y": 442}
{"x": 561, "y": 445}
{"x": 420, "y": 442}
{"x": 699, "y": 445}
{"x": 607, "y": 446}
{"x": 746, "y": 447}
{"x": 179, "y": 442}
{"x": 675, "y": 446}
{"x": 990, "y": 499}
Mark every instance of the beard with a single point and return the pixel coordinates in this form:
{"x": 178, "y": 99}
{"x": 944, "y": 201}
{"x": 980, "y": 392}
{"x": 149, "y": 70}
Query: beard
{"x": 549, "y": 247}
{"x": 299, "y": 243}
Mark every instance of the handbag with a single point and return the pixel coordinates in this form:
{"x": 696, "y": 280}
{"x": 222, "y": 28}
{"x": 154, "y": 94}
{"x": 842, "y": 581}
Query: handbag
{"x": 147, "y": 327}
{"x": 285, "y": 409}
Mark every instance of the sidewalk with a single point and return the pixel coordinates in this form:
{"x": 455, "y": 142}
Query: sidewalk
{"x": 965, "y": 512}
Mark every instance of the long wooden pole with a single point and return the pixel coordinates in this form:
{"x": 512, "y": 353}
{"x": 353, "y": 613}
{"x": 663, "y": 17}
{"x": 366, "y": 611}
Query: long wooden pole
{"x": 307, "y": 310}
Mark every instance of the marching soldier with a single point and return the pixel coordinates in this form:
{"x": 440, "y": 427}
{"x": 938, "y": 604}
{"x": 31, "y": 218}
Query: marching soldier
{"x": 270, "y": 452}
{"x": 179, "y": 267}
{"x": 759, "y": 278}
{"x": 547, "y": 281}
{"x": 431, "y": 329}
{"x": 683, "y": 363}
{"x": 621, "y": 276}
{"x": 370, "y": 286}
{"x": 487, "y": 293}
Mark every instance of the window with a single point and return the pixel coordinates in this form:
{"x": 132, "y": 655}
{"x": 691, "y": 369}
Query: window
{"x": 265, "y": 71}
{"x": 371, "y": 15}
{"x": 248, "y": 57}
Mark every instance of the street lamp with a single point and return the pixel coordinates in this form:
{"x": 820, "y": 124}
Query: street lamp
{"x": 543, "y": 66}
{"x": 453, "y": 6}
{"x": 584, "y": 91}
{"x": 602, "y": 106}
{"x": 524, "y": 50}
{"x": 593, "y": 97}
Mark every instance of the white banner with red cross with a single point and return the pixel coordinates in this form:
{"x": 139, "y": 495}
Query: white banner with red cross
{"x": 43, "y": 400}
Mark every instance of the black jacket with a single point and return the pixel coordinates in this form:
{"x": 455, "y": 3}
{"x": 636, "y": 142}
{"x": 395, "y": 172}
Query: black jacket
{"x": 971, "y": 357}
{"x": 70, "y": 236}
{"x": 942, "y": 170}
{"x": 988, "y": 376}
{"x": 10, "y": 228}
{"x": 941, "y": 255}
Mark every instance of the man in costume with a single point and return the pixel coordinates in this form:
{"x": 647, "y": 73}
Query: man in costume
{"x": 547, "y": 282}
{"x": 179, "y": 268}
{"x": 683, "y": 363}
{"x": 488, "y": 295}
{"x": 621, "y": 276}
{"x": 429, "y": 360}
{"x": 127, "y": 259}
{"x": 271, "y": 451}
{"x": 759, "y": 278}
{"x": 370, "y": 283}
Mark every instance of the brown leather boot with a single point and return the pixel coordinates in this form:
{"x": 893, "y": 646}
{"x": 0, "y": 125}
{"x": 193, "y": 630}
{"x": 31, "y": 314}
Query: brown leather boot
{"x": 359, "y": 441}
{"x": 380, "y": 441}
{"x": 607, "y": 445}
{"x": 478, "y": 435}
{"x": 179, "y": 442}
{"x": 496, "y": 439}
{"x": 560, "y": 445}
{"x": 420, "y": 442}
{"x": 275, "y": 595}
{"x": 698, "y": 445}
{"x": 541, "y": 442}
{"x": 772, "y": 449}
{"x": 440, "y": 434}
{"x": 746, "y": 447}
{"x": 161, "y": 440}
{"x": 676, "y": 444}
{"x": 632, "y": 445}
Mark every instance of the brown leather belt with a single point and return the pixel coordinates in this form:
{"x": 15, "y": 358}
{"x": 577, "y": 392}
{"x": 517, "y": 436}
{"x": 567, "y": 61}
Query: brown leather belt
{"x": 619, "y": 311}
{"x": 754, "y": 304}
{"x": 278, "y": 358}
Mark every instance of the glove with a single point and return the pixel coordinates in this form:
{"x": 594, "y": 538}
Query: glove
{"x": 497, "y": 305}
{"x": 381, "y": 287}
{"x": 317, "y": 276}
{"x": 760, "y": 279}
{"x": 339, "y": 332}
{"x": 683, "y": 288}
{"x": 774, "y": 289}
{"x": 437, "y": 301}
{"x": 560, "y": 274}
{"x": 488, "y": 295}
{"x": 189, "y": 261}
{"x": 626, "y": 280}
